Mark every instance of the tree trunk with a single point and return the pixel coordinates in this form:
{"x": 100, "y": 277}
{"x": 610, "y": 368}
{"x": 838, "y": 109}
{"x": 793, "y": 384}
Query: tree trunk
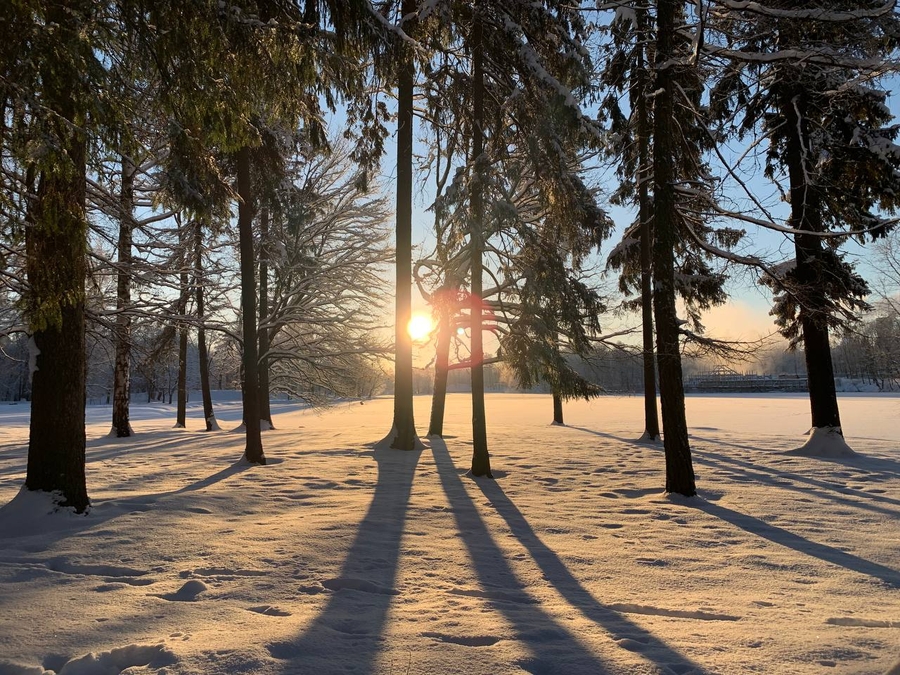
{"x": 253, "y": 451}
{"x": 481, "y": 459}
{"x": 56, "y": 267}
{"x": 181, "y": 415}
{"x": 441, "y": 366}
{"x": 557, "y": 409}
{"x": 265, "y": 409}
{"x": 184, "y": 290}
{"x": 645, "y": 216}
{"x": 679, "y": 467}
{"x": 121, "y": 379}
{"x": 208, "y": 415}
{"x": 404, "y": 428}
{"x": 806, "y": 215}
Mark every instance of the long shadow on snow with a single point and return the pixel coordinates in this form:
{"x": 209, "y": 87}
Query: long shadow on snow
{"x": 557, "y": 573}
{"x": 869, "y": 469}
{"x": 555, "y": 649}
{"x": 102, "y": 511}
{"x": 346, "y": 634}
{"x": 800, "y": 544}
{"x": 613, "y": 437}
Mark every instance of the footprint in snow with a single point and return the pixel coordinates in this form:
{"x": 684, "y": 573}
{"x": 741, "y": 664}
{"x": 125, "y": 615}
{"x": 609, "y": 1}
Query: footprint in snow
{"x": 269, "y": 610}
{"x": 861, "y": 623}
{"x": 187, "y": 593}
{"x": 362, "y": 585}
{"x": 465, "y": 640}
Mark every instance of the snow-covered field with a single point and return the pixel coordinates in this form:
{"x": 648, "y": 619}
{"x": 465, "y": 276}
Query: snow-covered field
{"x": 335, "y": 558}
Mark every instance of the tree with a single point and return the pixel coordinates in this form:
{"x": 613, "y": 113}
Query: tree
{"x": 403, "y": 430}
{"x": 629, "y": 66}
{"x": 122, "y": 380}
{"x": 51, "y": 95}
{"x": 807, "y": 78}
{"x": 200, "y": 305}
{"x": 328, "y": 244}
{"x": 669, "y": 72}
{"x": 265, "y": 409}
{"x": 253, "y": 450}
{"x": 481, "y": 462}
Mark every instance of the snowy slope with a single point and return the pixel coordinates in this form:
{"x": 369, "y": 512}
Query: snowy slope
{"x": 336, "y": 558}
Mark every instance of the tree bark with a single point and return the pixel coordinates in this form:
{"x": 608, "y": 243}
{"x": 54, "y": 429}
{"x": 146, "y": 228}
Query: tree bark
{"x": 679, "y": 467}
{"x": 56, "y": 267}
{"x": 404, "y": 428}
{"x": 481, "y": 460}
{"x": 265, "y": 409}
{"x": 253, "y": 451}
{"x": 441, "y": 364}
{"x": 184, "y": 291}
{"x": 806, "y": 215}
{"x": 557, "y": 409}
{"x": 202, "y": 355}
{"x": 645, "y": 215}
{"x": 121, "y": 421}
{"x": 181, "y": 415}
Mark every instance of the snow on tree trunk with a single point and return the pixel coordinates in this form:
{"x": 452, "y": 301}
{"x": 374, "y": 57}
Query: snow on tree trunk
{"x": 679, "y": 467}
{"x": 825, "y": 442}
{"x": 121, "y": 422}
{"x": 253, "y": 452}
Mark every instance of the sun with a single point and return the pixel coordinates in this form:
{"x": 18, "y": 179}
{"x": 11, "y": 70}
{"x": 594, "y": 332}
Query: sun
{"x": 419, "y": 327}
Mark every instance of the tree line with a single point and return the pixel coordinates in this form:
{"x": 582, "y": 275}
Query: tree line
{"x": 181, "y": 154}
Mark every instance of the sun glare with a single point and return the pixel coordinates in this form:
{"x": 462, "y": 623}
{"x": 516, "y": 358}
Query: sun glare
{"x": 419, "y": 326}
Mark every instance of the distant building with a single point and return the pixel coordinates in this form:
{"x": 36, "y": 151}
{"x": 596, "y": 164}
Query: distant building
{"x": 725, "y": 380}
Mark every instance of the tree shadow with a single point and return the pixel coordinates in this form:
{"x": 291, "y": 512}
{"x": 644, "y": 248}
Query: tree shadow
{"x": 566, "y": 653}
{"x": 888, "y": 468}
{"x": 778, "y": 535}
{"x": 613, "y": 437}
{"x": 35, "y": 531}
{"x": 821, "y": 488}
{"x": 347, "y": 632}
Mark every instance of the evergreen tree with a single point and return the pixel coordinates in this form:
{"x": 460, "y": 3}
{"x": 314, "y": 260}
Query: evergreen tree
{"x": 807, "y": 78}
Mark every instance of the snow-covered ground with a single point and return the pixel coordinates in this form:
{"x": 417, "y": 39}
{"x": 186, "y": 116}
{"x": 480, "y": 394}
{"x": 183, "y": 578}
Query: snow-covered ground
{"x": 335, "y": 558}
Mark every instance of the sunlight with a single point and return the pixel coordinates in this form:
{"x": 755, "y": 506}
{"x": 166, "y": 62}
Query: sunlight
{"x": 420, "y": 327}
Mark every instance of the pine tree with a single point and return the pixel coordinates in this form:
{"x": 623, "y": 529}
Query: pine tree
{"x": 679, "y": 467}
{"x": 807, "y": 79}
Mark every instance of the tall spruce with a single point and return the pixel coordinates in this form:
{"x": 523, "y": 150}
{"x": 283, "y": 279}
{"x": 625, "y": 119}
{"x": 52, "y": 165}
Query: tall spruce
{"x": 403, "y": 430}
{"x": 808, "y": 79}
{"x": 481, "y": 461}
{"x": 679, "y": 466}
{"x": 53, "y": 100}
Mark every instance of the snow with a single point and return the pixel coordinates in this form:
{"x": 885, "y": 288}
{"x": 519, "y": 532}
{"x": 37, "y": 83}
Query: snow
{"x": 825, "y": 442}
{"x": 337, "y": 557}
{"x": 625, "y": 13}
